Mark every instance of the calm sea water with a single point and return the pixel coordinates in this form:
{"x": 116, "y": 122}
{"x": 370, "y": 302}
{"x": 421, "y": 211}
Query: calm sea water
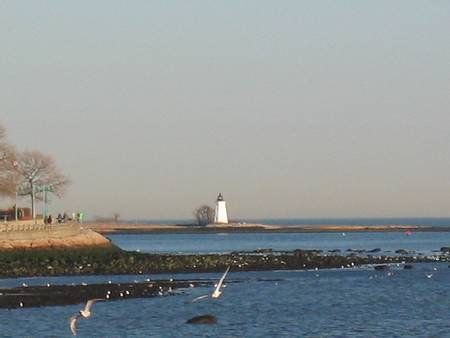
{"x": 424, "y": 242}
{"x": 326, "y": 303}
{"x": 359, "y": 302}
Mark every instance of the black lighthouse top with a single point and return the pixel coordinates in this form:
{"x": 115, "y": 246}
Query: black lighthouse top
{"x": 220, "y": 197}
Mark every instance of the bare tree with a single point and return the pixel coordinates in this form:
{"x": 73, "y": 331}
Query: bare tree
{"x": 8, "y": 175}
{"x": 204, "y": 215}
{"x": 38, "y": 172}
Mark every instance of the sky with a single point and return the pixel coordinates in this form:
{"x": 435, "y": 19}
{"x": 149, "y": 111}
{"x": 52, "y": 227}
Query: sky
{"x": 289, "y": 108}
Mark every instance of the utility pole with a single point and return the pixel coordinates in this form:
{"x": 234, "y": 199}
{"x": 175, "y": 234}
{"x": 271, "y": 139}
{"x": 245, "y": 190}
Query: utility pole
{"x": 15, "y": 164}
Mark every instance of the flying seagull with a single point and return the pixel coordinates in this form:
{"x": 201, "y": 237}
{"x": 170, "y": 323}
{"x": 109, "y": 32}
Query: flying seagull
{"x": 84, "y": 313}
{"x": 216, "y": 293}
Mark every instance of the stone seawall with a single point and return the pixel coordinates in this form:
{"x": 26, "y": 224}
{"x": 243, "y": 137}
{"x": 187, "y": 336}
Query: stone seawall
{"x": 61, "y": 236}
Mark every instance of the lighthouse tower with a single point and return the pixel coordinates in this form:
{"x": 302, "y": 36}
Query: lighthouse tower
{"x": 220, "y": 215}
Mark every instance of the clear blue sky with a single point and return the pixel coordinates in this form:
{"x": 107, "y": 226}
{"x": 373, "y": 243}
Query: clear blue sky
{"x": 289, "y": 108}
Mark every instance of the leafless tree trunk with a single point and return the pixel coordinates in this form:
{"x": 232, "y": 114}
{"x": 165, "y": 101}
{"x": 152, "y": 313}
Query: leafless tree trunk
{"x": 204, "y": 215}
{"x": 37, "y": 172}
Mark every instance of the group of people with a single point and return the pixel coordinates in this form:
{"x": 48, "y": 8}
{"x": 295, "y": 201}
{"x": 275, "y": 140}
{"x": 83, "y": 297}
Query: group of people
{"x": 64, "y": 217}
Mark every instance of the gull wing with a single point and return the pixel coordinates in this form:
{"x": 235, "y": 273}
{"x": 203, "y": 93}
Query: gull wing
{"x": 91, "y": 302}
{"x": 201, "y": 297}
{"x": 219, "y": 285}
{"x": 73, "y": 324}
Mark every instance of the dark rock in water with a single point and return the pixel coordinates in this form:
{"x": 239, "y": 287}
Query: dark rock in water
{"x": 381, "y": 267}
{"x": 445, "y": 249}
{"x": 375, "y": 250}
{"x": 203, "y": 319}
{"x": 263, "y": 250}
{"x": 334, "y": 250}
{"x": 356, "y": 250}
{"x": 408, "y": 267}
{"x": 402, "y": 251}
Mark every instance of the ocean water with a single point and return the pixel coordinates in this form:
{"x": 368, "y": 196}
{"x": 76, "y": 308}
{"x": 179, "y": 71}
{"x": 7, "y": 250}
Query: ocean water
{"x": 415, "y": 221}
{"x": 356, "y": 302}
{"x": 423, "y": 242}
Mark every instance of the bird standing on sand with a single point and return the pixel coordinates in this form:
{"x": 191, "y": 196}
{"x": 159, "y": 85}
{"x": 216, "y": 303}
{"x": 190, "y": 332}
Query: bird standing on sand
{"x": 85, "y": 313}
{"x": 216, "y": 293}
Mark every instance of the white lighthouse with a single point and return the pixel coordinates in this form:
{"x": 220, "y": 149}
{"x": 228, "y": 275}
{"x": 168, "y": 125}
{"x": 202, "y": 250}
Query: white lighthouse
{"x": 220, "y": 215}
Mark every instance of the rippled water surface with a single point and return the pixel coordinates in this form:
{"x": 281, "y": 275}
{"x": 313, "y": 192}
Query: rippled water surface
{"x": 326, "y": 303}
{"x": 424, "y": 242}
{"x": 359, "y": 302}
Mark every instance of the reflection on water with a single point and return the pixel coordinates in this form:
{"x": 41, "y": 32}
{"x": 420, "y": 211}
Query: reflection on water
{"x": 325, "y": 303}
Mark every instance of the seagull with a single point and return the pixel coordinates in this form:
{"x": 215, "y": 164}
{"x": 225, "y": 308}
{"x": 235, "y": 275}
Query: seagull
{"x": 216, "y": 293}
{"x": 429, "y": 275}
{"x": 85, "y": 313}
{"x": 198, "y": 298}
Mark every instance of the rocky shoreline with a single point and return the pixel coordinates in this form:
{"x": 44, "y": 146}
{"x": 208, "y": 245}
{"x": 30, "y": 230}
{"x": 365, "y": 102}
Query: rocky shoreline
{"x": 114, "y": 261}
{"x": 52, "y": 295}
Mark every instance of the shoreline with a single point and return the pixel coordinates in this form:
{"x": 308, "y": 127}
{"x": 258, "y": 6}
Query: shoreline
{"x": 115, "y": 261}
{"x": 39, "y": 236}
{"x": 63, "y": 294}
{"x": 125, "y": 228}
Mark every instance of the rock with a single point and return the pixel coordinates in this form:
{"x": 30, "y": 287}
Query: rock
{"x": 375, "y": 250}
{"x": 334, "y": 250}
{"x": 203, "y": 319}
{"x": 381, "y": 267}
{"x": 408, "y": 266}
{"x": 263, "y": 250}
{"x": 445, "y": 249}
{"x": 402, "y": 252}
{"x": 355, "y": 250}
